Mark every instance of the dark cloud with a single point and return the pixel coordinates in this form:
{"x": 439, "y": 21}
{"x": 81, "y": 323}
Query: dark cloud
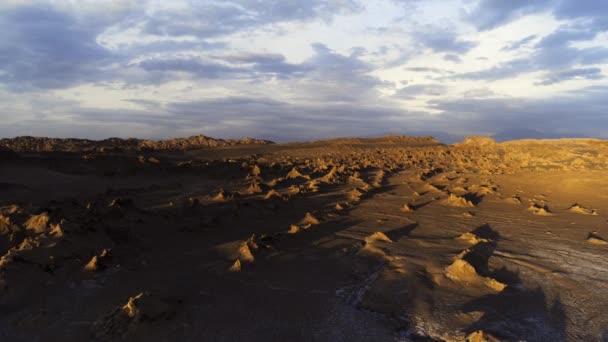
{"x": 589, "y": 9}
{"x": 327, "y": 75}
{"x": 443, "y": 40}
{"x": 580, "y": 114}
{"x": 212, "y": 19}
{"x": 560, "y": 76}
{"x": 492, "y": 13}
{"x": 489, "y": 14}
{"x": 44, "y": 48}
{"x": 452, "y": 58}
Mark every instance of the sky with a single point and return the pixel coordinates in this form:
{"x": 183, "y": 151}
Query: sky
{"x": 293, "y": 70}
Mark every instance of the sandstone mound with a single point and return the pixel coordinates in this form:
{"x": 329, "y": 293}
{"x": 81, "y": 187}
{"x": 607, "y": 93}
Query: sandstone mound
{"x": 256, "y": 171}
{"x": 10, "y": 209}
{"x": 407, "y": 208}
{"x": 378, "y": 179}
{"x": 479, "y": 141}
{"x": 273, "y": 194}
{"x": 595, "y": 239}
{"x": 295, "y": 174}
{"x": 358, "y": 182}
{"x": 354, "y": 195}
{"x": 38, "y": 223}
{"x": 294, "y": 190}
{"x": 472, "y": 238}
{"x": 293, "y": 229}
{"x": 239, "y": 250}
{"x": 461, "y": 271}
{"x": 223, "y": 196}
{"x": 125, "y": 320}
{"x": 273, "y": 182}
{"x": 255, "y": 187}
{"x": 98, "y": 262}
{"x": 481, "y": 336}
{"x": 309, "y": 220}
{"x": 480, "y": 234}
{"x": 513, "y": 200}
{"x": 540, "y": 209}
{"x": 579, "y": 209}
{"x": 331, "y": 177}
{"x": 458, "y": 201}
{"x": 313, "y": 186}
{"x": 377, "y": 236}
{"x": 236, "y": 266}
{"x": 371, "y": 251}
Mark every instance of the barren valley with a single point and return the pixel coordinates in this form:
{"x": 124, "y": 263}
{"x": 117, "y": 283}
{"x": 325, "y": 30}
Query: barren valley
{"x": 382, "y": 239}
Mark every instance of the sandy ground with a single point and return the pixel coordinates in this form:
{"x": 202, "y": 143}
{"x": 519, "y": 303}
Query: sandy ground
{"x": 342, "y": 240}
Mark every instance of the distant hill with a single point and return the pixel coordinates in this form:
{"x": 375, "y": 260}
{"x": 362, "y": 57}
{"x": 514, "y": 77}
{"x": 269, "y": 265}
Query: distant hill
{"x": 43, "y": 144}
{"x": 519, "y": 134}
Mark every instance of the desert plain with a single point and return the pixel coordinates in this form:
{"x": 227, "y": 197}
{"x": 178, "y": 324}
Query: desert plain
{"x": 380, "y": 239}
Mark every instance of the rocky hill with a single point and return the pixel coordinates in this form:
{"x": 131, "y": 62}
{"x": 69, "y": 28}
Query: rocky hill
{"x": 43, "y": 144}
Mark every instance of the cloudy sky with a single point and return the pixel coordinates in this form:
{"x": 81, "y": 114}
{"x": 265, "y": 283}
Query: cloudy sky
{"x": 303, "y": 69}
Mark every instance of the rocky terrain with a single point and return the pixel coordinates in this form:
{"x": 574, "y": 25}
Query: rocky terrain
{"x": 42, "y": 144}
{"x": 382, "y": 239}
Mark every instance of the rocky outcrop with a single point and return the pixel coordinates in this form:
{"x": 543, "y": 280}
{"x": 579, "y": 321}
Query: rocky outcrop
{"x": 43, "y": 144}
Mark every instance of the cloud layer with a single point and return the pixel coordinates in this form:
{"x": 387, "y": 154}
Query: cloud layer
{"x": 296, "y": 70}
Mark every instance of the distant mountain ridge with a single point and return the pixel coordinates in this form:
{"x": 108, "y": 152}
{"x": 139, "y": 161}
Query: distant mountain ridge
{"x": 43, "y": 144}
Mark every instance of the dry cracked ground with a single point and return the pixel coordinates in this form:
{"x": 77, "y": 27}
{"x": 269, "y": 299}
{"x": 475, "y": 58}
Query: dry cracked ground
{"x": 388, "y": 239}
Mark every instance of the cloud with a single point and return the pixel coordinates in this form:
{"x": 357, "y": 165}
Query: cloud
{"x": 479, "y": 93}
{"x": 518, "y": 44}
{"x": 412, "y": 91}
{"x": 296, "y": 69}
{"x": 442, "y": 40}
{"x": 230, "y": 117}
{"x": 428, "y": 69}
{"x": 325, "y": 76}
{"x": 211, "y": 19}
{"x": 590, "y": 9}
{"x": 552, "y": 54}
{"x": 44, "y": 48}
{"x": 500, "y": 71}
{"x": 56, "y": 45}
{"x": 194, "y": 66}
{"x": 452, "y": 58}
{"x": 583, "y": 73}
{"x": 490, "y": 14}
{"x": 580, "y": 114}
